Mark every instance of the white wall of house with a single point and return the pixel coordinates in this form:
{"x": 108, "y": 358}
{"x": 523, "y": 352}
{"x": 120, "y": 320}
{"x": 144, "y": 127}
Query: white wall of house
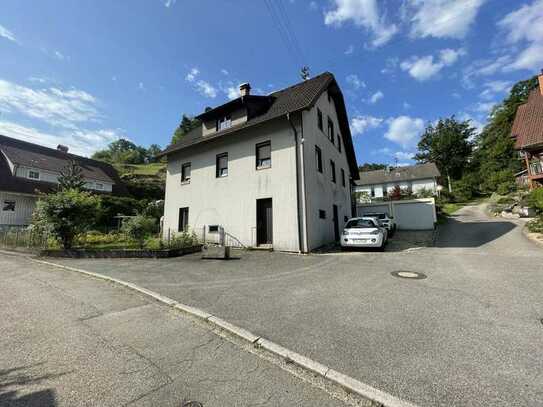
{"x": 413, "y": 214}
{"x": 415, "y": 186}
{"x": 321, "y": 192}
{"x": 231, "y": 201}
{"x": 22, "y": 213}
{"x": 50, "y": 176}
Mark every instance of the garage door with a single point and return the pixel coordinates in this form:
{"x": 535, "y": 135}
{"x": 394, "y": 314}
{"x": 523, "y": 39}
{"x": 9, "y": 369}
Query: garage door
{"x": 414, "y": 215}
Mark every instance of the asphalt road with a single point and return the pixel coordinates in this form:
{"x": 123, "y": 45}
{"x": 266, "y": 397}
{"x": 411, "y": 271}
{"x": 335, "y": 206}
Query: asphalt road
{"x": 70, "y": 340}
{"x": 467, "y": 335}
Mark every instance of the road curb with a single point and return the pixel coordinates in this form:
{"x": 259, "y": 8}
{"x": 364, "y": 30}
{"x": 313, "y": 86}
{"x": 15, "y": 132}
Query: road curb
{"x": 348, "y": 383}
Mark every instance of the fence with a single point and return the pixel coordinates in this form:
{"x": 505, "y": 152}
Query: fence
{"x": 23, "y": 239}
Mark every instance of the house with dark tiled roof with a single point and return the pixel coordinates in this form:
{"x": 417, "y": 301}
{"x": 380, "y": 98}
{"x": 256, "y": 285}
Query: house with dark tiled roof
{"x": 379, "y": 184}
{"x": 528, "y": 133}
{"x": 267, "y": 170}
{"x": 28, "y": 169}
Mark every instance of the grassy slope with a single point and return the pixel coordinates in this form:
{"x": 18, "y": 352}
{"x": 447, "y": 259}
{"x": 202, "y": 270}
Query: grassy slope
{"x": 140, "y": 169}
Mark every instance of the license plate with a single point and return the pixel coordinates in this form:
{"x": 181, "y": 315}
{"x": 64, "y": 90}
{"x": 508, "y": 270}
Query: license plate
{"x": 360, "y": 240}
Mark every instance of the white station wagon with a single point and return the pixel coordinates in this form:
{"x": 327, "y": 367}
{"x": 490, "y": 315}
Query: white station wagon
{"x": 364, "y": 232}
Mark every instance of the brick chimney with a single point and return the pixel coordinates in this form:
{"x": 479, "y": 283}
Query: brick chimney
{"x": 62, "y": 148}
{"x": 245, "y": 89}
{"x": 540, "y": 77}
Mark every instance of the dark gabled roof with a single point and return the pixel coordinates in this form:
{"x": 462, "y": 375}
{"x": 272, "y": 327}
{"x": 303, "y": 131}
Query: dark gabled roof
{"x": 289, "y": 100}
{"x": 22, "y": 153}
{"x": 411, "y": 173}
{"x": 528, "y": 125}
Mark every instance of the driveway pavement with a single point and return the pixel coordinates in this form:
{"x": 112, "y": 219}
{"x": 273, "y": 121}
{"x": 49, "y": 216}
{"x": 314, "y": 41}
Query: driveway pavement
{"x": 467, "y": 335}
{"x": 70, "y": 340}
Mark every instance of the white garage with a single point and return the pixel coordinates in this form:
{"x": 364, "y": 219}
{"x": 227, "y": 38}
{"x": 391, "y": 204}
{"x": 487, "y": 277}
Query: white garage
{"x": 415, "y": 214}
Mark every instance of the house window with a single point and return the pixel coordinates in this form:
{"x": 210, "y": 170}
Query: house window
{"x": 322, "y": 214}
{"x": 263, "y": 155}
{"x": 213, "y": 228}
{"x": 385, "y": 191}
{"x": 372, "y": 194}
{"x": 224, "y": 123}
{"x": 319, "y": 120}
{"x": 222, "y": 165}
{"x": 185, "y": 173}
{"x": 33, "y": 174}
{"x": 9, "y": 206}
{"x": 339, "y": 142}
{"x": 333, "y": 170}
{"x": 183, "y": 220}
{"x": 318, "y": 157}
{"x": 342, "y": 177}
{"x": 99, "y": 186}
{"x": 331, "y": 130}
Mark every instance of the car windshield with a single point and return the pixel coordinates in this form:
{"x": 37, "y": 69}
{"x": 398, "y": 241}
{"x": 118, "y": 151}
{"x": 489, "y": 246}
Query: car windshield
{"x": 359, "y": 224}
{"x": 377, "y": 215}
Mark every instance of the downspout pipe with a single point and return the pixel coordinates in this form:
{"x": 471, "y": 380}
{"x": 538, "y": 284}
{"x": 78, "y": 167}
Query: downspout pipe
{"x": 298, "y": 206}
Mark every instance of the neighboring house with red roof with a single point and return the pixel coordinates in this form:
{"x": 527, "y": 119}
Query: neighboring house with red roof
{"x": 528, "y": 132}
{"x": 270, "y": 170}
{"x": 27, "y": 169}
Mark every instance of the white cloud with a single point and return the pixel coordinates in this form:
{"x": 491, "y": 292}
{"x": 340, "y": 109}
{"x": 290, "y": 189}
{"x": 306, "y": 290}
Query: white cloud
{"x": 404, "y": 155}
{"x": 406, "y": 105}
{"x": 59, "y": 55}
{"x": 484, "y": 107}
{"x": 525, "y": 26}
{"x": 355, "y": 81}
{"x": 377, "y": 96}
{"x": 474, "y": 122}
{"x": 224, "y": 71}
{"x": 363, "y": 13}
{"x": 442, "y": 18}
{"x": 493, "y": 88}
{"x": 206, "y": 89}
{"x": 424, "y": 68}
{"x": 54, "y": 106}
{"x": 404, "y": 130}
{"x": 169, "y": 3}
{"x": 191, "y": 76}
{"x": 232, "y": 92}
{"x": 349, "y": 50}
{"x": 80, "y": 142}
{"x": 390, "y": 65}
{"x": 7, "y": 34}
{"x": 359, "y": 124}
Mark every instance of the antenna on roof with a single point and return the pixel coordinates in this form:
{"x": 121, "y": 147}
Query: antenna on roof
{"x": 396, "y": 162}
{"x": 304, "y": 73}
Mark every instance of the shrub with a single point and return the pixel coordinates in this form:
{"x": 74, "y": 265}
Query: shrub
{"x": 535, "y": 225}
{"x": 535, "y": 199}
{"x": 424, "y": 193}
{"x": 66, "y": 214}
{"x": 183, "y": 239}
{"x": 139, "y": 227}
{"x": 113, "y": 206}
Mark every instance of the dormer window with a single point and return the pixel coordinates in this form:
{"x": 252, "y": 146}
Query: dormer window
{"x": 224, "y": 123}
{"x": 33, "y": 174}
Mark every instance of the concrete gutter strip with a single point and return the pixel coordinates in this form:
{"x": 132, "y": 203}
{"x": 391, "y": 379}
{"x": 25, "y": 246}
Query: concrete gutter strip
{"x": 346, "y": 382}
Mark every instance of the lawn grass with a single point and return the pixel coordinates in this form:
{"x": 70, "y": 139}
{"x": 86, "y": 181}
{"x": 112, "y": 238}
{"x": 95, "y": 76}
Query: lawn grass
{"x": 151, "y": 169}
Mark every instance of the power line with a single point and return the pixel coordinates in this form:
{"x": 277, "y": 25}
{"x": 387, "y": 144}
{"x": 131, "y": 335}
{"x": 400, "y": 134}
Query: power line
{"x": 282, "y": 23}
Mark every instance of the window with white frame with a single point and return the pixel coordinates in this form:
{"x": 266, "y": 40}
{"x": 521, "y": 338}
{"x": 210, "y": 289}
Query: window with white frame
{"x": 221, "y": 165}
{"x": 99, "y": 186}
{"x": 224, "y": 123}
{"x": 185, "y": 173}
{"x": 8, "y": 206}
{"x": 263, "y": 155}
{"x": 33, "y": 174}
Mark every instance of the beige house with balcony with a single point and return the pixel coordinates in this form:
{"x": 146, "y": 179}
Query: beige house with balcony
{"x": 269, "y": 170}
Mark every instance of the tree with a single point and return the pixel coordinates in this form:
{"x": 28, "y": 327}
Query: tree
{"x": 495, "y": 156}
{"x": 71, "y": 177}
{"x": 448, "y": 145}
{"x": 122, "y": 151}
{"x": 152, "y": 152}
{"x": 371, "y": 167}
{"x": 66, "y": 213}
{"x": 139, "y": 228}
{"x": 187, "y": 124}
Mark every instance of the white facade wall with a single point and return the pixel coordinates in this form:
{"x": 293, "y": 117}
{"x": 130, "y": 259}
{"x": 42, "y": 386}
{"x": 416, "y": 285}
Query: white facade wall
{"x": 321, "y": 192}
{"x": 231, "y": 201}
{"x": 50, "y": 176}
{"x": 24, "y": 206}
{"x": 415, "y": 186}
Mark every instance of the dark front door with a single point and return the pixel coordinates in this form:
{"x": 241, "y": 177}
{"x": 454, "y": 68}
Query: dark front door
{"x": 264, "y": 222}
{"x": 336, "y": 224}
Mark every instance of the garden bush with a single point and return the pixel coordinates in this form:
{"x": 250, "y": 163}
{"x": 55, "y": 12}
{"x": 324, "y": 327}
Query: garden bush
{"x": 535, "y": 199}
{"x": 139, "y": 228}
{"x": 535, "y": 225}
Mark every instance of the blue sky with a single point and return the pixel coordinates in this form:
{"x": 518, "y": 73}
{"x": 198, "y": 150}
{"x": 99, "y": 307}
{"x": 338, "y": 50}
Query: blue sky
{"x": 84, "y": 73}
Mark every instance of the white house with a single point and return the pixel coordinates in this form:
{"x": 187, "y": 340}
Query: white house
{"x": 27, "y": 169}
{"x": 273, "y": 171}
{"x": 416, "y": 178}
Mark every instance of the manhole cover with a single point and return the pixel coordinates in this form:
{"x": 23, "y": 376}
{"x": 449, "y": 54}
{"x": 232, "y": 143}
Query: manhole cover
{"x": 192, "y": 404}
{"x": 408, "y": 274}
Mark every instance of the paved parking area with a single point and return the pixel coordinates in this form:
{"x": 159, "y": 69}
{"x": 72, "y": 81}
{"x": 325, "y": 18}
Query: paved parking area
{"x": 468, "y": 334}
